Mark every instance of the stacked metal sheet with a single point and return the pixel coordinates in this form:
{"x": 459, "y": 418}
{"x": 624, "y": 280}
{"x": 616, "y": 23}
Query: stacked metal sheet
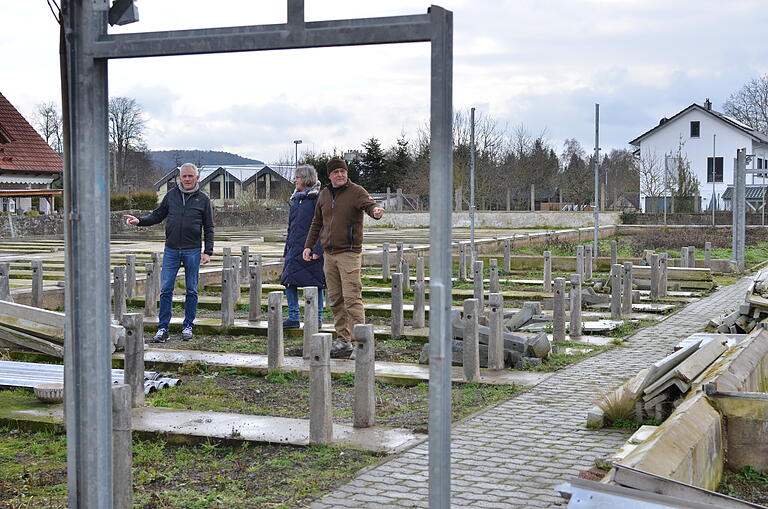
{"x": 30, "y": 374}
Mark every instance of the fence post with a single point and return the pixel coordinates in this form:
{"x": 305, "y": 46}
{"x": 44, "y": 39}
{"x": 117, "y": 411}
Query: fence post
{"x": 626, "y": 297}
{"x": 150, "y": 295}
{"x": 614, "y": 252}
{"x": 254, "y": 293}
{"x": 405, "y": 270}
{"x": 275, "y": 349}
{"x": 245, "y": 261}
{"x": 130, "y": 275}
{"x": 580, "y": 261}
{"x": 547, "y": 271}
{"x": 655, "y": 277}
{"x": 320, "y": 408}
{"x": 471, "y": 344}
{"x": 227, "y": 304}
{"x": 496, "y": 331}
{"x": 37, "y": 283}
{"x": 477, "y": 278}
{"x": 385, "y": 261}
{"x": 684, "y": 256}
{"x": 365, "y": 394}
{"x": 311, "y": 317}
{"x": 588, "y": 262}
{"x": 133, "y": 374}
{"x": 118, "y": 292}
{"x": 575, "y": 298}
{"x": 708, "y": 255}
{"x": 663, "y": 262}
{"x": 5, "y": 282}
{"x": 616, "y": 291}
{"x": 419, "y": 301}
{"x": 122, "y": 448}
{"x": 507, "y": 256}
{"x": 558, "y": 311}
{"x": 157, "y": 260}
{"x": 420, "y": 269}
{"x": 462, "y": 262}
{"x": 397, "y": 305}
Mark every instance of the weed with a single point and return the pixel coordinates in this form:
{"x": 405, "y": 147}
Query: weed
{"x": 617, "y": 405}
{"x": 281, "y": 377}
{"x": 633, "y": 424}
{"x": 347, "y": 379}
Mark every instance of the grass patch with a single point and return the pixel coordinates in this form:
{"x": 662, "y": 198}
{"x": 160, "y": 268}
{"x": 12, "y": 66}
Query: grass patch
{"x": 747, "y": 484}
{"x": 632, "y": 424}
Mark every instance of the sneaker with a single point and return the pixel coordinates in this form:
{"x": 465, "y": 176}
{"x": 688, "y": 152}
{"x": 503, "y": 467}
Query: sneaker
{"x": 341, "y": 349}
{"x": 186, "y": 333}
{"x": 290, "y": 324}
{"x": 161, "y": 336}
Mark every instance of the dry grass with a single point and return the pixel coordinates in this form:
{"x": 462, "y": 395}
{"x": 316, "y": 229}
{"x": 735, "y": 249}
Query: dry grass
{"x": 617, "y": 405}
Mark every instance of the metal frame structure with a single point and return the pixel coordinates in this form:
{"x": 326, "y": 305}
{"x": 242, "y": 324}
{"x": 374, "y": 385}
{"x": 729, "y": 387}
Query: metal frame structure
{"x": 86, "y": 50}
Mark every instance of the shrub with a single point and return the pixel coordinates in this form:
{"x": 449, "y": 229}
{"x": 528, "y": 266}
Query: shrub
{"x": 628, "y": 217}
{"x": 32, "y": 213}
{"x": 617, "y": 405}
{"x": 119, "y": 202}
{"x": 144, "y": 200}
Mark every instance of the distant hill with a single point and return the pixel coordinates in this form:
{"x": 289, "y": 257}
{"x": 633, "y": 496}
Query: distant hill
{"x": 167, "y": 159}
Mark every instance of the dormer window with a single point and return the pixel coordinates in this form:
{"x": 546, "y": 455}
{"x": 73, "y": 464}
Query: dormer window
{"x": 695, "y": 128}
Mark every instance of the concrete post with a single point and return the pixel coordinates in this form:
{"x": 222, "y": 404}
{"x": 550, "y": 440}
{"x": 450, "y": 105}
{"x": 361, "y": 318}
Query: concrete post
{"x": 118, "y": 292}
{"x": 37, "y": 283}
{"x": 157, "y": 260}
{"x": 558, "y": 311}
{"x": 575, "y": 298}
{"x": 399, "y": 199}
{"x": 626, "y": 294}
{"x": 235, "y": 280}
{"x": 616, "y": 291}
{"x": 150, "y": 295}
{"x": 275, "y": 350}
{"x": 397, "y": 305}
{"x": 533, "y": 198}
{"x": 245, "y": 261}
{"x": 227, "y": 303}
{"x": 495, "y": 331}
{"x": 509, "y": 200}
{"x": 389, "y": 195}
{"x": 462, "y": 261}
{"x": 399, "y": 257}
{"x": 471, "y": 340}
{"x": 405, "y": 270}
{"x": 365, "y": 394}
{"x": 420, "y": 269}
{"x": 130, "y": 276}
{"x": 419, "y": 300}
{"x": 311, "y": 318}
{"x": 254, "y": 292}
{"x": 5, "y": 281}
{"x": 320, "y": 408}
{"x": 493, "y": 269}
{"x": 692, "y": 257}
{"x": 588, "y": 262}
{"x": 547, "y": 271}
{"x": 457, "y": 199}
{"x": 655, "y": 277}
{"x": 507, "y": 255}
{"x": 133, "y": 374}
{"x": 225, "y": 260}
{"x": 122, "y": 447}
{"x": 477, "y": 279}
{"x": 385, "y": 261}
{"x": 614, "y": 252}
{"x": 684, "y": 259}
{"x": 663, "y": 262}
{"x": 580, "y": 261}
{"x": 708, "y": 255}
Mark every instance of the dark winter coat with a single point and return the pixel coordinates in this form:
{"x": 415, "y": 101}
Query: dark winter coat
{"x": 296, "y": 271}
{"x": 189, "y": 215}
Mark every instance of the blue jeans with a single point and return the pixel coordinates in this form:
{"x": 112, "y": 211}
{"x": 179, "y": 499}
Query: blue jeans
{"x": 292, "y": 294}
{"x": 173, "y": 259}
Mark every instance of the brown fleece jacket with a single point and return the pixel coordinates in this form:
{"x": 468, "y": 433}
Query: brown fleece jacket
{"x": 338, "y": 219}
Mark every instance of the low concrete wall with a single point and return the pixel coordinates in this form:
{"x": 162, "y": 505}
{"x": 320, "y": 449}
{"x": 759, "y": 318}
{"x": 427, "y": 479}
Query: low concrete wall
{"x": 498, "y": 219}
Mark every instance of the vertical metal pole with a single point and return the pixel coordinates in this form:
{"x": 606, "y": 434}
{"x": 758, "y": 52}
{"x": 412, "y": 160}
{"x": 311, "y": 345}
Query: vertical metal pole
{"x": 473, "y": 254}
{"x": 739, "y": 208}
{"x": 714, "y": 166}
{"x": 666, "y": 185}
{"x": 87, "y": 384}
{"x": 440, "y": 186}
{"x": 596, "y": 247}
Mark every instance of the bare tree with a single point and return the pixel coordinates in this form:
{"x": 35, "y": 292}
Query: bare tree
{"x": 653, "y": 178}
{"x": 126, "y": 134}
{"x": 750, "y": 104}
{"x": 48, "y": 123}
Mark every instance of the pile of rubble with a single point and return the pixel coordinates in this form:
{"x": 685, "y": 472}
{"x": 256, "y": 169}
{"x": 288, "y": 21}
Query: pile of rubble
{"x": 752, "y": 313}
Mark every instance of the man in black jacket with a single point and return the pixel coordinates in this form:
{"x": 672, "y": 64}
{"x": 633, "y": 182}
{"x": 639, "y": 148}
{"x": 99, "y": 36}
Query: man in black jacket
{"x": 189, "y": 214}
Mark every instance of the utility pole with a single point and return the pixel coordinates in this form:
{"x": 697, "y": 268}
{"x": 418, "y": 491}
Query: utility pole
{"x": 472, "y": 183}
{"x": 714, "y": 173}
{"x": 596, "y": 247}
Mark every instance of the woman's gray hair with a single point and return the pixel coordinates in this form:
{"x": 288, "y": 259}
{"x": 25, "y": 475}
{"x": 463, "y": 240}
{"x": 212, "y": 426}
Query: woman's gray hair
{"x": 307, "y": 174}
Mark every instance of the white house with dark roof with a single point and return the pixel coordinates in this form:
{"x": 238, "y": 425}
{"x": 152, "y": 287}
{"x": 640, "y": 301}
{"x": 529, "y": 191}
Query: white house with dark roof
{"x": 709, "y": 139}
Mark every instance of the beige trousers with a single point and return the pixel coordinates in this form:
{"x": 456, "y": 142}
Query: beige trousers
{"x": 345, "y": 291}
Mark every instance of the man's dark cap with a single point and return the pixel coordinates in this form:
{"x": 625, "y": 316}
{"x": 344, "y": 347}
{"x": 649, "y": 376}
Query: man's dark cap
{"x": 335, "y": 163}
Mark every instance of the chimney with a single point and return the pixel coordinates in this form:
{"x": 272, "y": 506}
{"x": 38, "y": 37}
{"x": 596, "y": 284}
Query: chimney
{"x": 708, "y": 104}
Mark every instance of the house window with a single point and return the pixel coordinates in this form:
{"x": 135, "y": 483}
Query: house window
{"x": 215, "y": 190}
{"x": 759, "y": 163}
{"x": 695, "y": 128}
{"x": 230, "y": 190}
{"x": 718, "y": 177}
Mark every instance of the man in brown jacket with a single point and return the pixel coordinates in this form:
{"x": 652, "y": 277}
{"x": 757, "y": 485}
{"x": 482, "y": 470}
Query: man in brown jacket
{"x": 338, "y": 221}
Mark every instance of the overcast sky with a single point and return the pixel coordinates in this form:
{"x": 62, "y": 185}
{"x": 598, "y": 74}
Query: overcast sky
{"x": 540, "y": 63}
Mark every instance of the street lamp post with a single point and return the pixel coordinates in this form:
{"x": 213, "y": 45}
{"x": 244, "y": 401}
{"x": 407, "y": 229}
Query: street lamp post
{"x": 296, "y": 163}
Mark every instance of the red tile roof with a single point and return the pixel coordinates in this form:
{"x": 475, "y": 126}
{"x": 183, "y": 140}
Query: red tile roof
{"x": 26, "y": 151}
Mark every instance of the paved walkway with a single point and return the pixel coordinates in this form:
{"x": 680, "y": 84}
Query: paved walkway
{"x": 514, "y": 454}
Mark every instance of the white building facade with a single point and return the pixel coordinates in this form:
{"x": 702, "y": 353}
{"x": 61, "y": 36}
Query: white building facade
{"x": 708, "y": 140}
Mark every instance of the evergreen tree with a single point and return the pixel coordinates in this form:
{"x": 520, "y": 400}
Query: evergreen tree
{"x": 372, "y": 172}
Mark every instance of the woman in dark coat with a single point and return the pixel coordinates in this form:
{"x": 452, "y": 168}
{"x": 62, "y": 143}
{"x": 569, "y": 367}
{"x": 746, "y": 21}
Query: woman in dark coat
{"x": 296, "y": 272}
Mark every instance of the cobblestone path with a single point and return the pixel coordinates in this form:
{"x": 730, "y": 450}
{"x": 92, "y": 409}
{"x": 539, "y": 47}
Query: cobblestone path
{"x": 515, "y": 453}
